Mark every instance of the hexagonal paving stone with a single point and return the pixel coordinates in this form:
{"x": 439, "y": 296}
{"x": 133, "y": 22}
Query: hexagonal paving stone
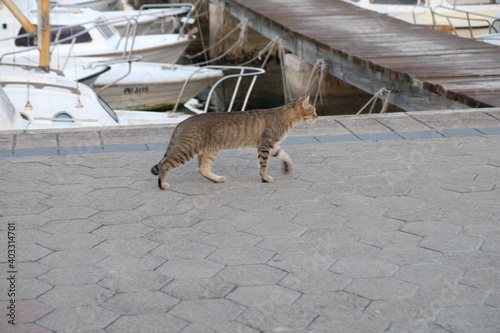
{"x": 242, "y": 275}
{"x": 207, "y": 310}
{"x": 127, "y": 247}
{"x": 241, "y": 256}
{"x": 70, "y": 226}
{"x": 75, "y": 296}
{"x": 151, "y": 323}
{"x": 73, "y": 258}
{"x": 78, "y": 319}
{"x": 429, "y": 274}
{"x": 227, "y": 326}
{"x": 74, "y": 275}
{"x": 180, "y": 250}
{"x": 256, "y": 296}
{"x": 277, "y": 318}
{"x": 195, "y": 268}
{"x": 124, "y": 230}
{"x": 146, "y": 302}
{"x": 231, "y": 239}
{"x": 315, "y": 281}
{"x": 73, "y": 241}
{"x": 199, "y": 288}
{"x": 363, "y": 268}
{"x": 451, "y": 243}
{"x": 117, "y": 263}
{"x": 381, "y": 288}
{"x": 130, "y": 281}
{"x": 68, "y": 212}
{"x": 276, "y": 229}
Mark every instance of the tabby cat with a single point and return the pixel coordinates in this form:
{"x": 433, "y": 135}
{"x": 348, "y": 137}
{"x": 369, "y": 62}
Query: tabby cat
{"x": 205, "y": 134}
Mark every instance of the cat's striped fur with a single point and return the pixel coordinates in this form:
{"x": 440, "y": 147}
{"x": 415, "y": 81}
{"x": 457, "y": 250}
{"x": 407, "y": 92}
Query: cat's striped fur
{"x": 205, "y": 134}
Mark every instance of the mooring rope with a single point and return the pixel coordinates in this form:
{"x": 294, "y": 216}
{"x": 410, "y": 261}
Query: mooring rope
{"x": 316, "y": 78}
{"x": 242, "y": 26}
{"x": 384, "y": 95}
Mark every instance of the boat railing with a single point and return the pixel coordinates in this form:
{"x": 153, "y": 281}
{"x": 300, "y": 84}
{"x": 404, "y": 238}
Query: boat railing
{"x": 191, "y": 7}
{"x": 472, "y": 19}
{"x": 243, "y": 72}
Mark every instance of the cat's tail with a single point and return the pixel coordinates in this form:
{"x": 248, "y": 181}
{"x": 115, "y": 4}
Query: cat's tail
{"x": 156, "y": 169}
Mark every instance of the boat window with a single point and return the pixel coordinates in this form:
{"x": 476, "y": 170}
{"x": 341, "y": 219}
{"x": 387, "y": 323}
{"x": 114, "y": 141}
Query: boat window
{"x": 83, "y": 36}
{"x": 24, "y": 116}
{"x": 108, "y": 109}
{"x": 63, "y": 116}
{"x": 395, "y": 2}
{"x": 105, "y": 30}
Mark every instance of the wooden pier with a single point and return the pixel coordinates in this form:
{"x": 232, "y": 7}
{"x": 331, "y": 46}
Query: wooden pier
{"x": 425, "y": 69}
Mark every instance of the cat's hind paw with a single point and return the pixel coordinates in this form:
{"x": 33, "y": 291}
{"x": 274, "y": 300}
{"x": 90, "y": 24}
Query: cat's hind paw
{"x": 267, "y": 179}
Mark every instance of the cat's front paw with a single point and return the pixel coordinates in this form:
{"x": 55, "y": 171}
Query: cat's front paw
{"x": 267, "y": 179}
{"x": 220, "y": 179}
{"x": 163, "y": 185}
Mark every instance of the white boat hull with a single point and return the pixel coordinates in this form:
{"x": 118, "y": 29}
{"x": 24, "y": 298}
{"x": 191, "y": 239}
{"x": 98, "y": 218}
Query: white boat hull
{"x": 153, "y": 86}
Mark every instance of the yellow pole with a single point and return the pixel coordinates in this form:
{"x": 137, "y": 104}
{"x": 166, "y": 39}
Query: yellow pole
{"x": 27, "y": 25}
{"x": 44, "y": 34}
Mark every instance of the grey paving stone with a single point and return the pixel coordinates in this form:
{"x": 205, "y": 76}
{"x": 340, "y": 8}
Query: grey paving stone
{"x": 29, "y": 289}
{"x": 276, "y": 229}
{"x": 363, "y": 268}
{"x": 277, "y": 318}
{"x": 79, "y": 150}
{"x": 129, "y": 263}
{"x": 127, "y": 247}
{"x": 195, "y": 268}
{"x": 35, "y": 152}
{"x": 451, "y": 243}
{"x": 199, "y": 288}
{"x": 251, "y": 275}
{"x": 33, "y": 139}
{"x": 153, "y": 323}
{"x": 73, "y": 241}
{"x": 381, "y": 288}
{"x": 182, "y": 250}
{"x": 300, "y": 262}
{"x": 72, "y": 139}
{"x": 431, "y": 228}
{"x": 257, "y": 296}
{"x": 124, "y": 230}
{"x": 231, "y": 239}
{"x": 354, "y": 323}
{"x": 240, "y": 256}
{"x": 363, "y": 124}
{"x": 73, "y": 275}
{"x": 134, "y": 281}
{"x": 145, "y": 302}
{"x": 207, "y": 310}
{"x": 398, "y": 255}
{"x": 78, "y": 319}
{"x": 333, "y": 304}
{"x": 479, "y": 318}
{"x": 68, "y": 296}
{"x": 429, "y": 274}
{"x": 315, "y": 281}
{"x": 68, "y": 212}
{"x": 73, "y": 257}
{"x": 227, "y": 326}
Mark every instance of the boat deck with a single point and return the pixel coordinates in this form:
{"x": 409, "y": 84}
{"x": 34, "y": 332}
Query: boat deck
{"x": 424, "y": 68}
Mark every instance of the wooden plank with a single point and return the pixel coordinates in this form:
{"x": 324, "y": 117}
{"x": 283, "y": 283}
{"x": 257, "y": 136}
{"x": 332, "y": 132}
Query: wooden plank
{"x": 370, "y": 50}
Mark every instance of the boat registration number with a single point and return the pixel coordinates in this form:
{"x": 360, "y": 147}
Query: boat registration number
{"x": 135, "y": 90}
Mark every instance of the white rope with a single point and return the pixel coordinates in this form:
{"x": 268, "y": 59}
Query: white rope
{"x": 242, "y": 26}
{"x": 316, "y": 78}
{"x": 384, "y": 95}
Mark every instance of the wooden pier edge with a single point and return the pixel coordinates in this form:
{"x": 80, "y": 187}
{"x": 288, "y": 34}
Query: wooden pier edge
{"x": 408, "y": 92}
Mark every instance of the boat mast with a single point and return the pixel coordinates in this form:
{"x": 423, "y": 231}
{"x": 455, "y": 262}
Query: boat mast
{"x": 44, "y": 34}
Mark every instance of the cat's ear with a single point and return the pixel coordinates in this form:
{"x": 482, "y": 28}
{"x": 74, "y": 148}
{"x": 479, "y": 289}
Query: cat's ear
{"x": 302, "y": 102}
{"x": 305, "y": 101}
